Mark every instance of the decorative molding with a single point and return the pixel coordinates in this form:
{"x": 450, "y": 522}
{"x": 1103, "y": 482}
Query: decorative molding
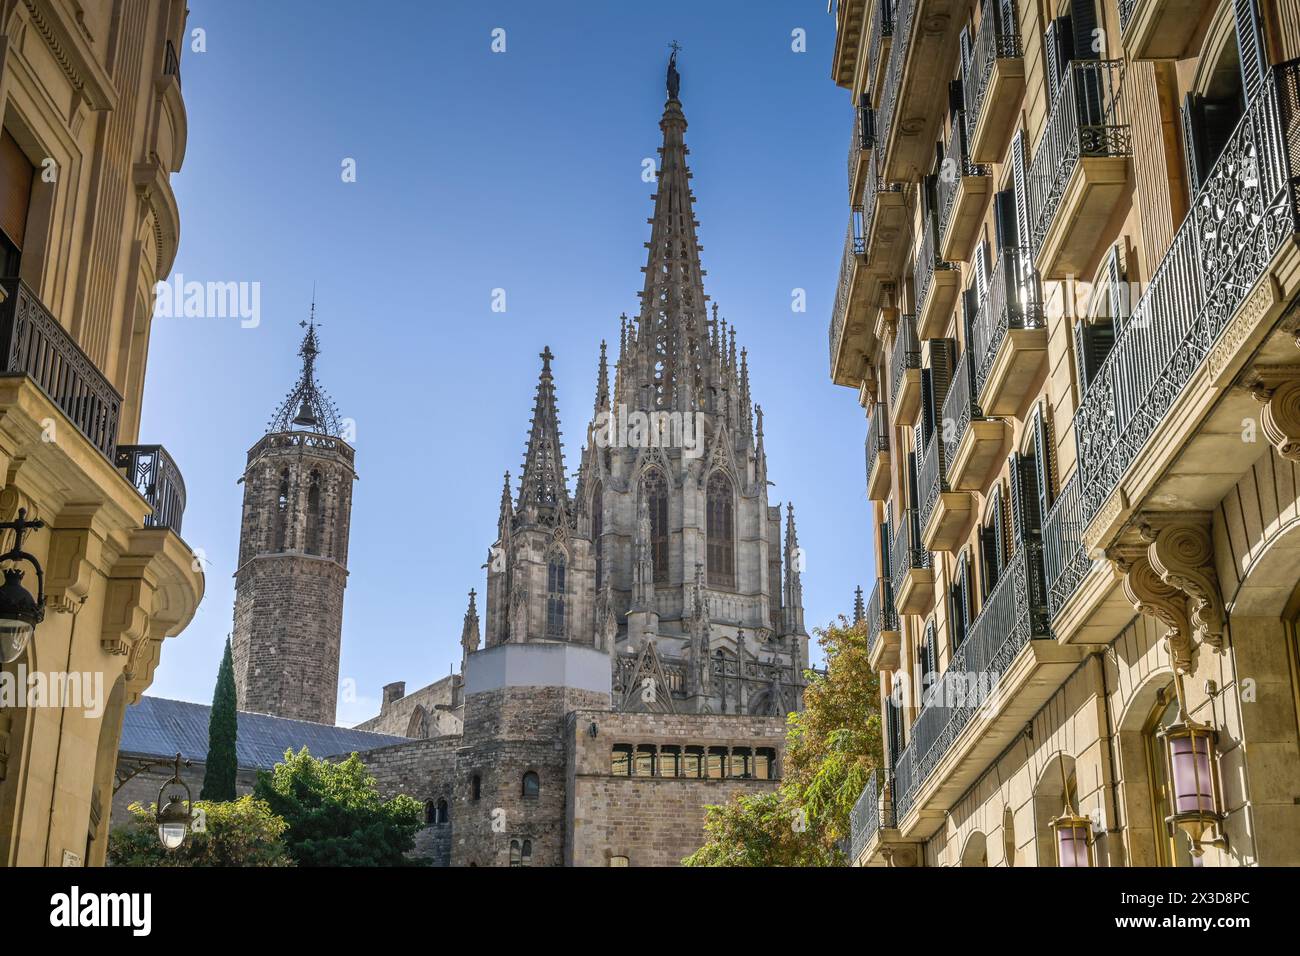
{"x": 1243, "y": 325}
{"x": 1277, "y": 388}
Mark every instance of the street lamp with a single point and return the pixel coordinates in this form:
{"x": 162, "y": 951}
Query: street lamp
{"x": 1193, "y": 771}
{"x": 174, "y": 816}
{"x": 19, "y": 611}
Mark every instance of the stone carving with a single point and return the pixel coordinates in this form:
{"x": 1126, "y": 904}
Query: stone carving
{"x": 1278, "y": 390}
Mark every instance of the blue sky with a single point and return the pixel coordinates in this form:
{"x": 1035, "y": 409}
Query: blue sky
{"x": 475, "y": 171}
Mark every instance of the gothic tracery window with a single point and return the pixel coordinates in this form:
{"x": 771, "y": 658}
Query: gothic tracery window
{"x": 655, "y": 490}
{"x": 282, "y": 512}
{"x": 721, "y": 532}
{"x": 555, "y": 575}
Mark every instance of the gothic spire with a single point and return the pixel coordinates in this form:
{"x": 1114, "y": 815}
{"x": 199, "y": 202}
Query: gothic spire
{"x": 507, "y": 505}
{"x": 793, "y": 568}
{"x": 469, "y": 633}
{"x": 859, "y": 610}
{"x": 543, "y": 484}
{"x": 307, "y": 407}
{"x": 602, "y": 381}
{"x": 672, "y": 336}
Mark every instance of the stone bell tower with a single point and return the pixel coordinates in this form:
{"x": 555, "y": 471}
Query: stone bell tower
{"x": 293, "y": 555}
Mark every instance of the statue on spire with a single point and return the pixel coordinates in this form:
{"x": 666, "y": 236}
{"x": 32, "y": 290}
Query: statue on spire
{"x": 674, "y": 78}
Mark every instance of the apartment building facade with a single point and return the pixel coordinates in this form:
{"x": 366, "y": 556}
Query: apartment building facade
{"x": 1068, "y": 303}
{"x": 93, "y": 127}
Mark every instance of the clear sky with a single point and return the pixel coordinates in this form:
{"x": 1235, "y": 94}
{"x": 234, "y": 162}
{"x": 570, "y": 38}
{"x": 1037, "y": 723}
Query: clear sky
{"x": 476, "y": 171}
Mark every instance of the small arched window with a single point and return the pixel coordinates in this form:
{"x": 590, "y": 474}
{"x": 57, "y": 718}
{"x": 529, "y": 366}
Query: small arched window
{"x": 313, "y": 513}
{"x": 476, "y": 788}
{"x": 282, "y": 513}
{"x": 442, "y": 814}
{"x": 655, "y": 490}
{"x": 516, "y": 857}
{"x": 532, "y": 786}
{"x": 430, "y": 813}
{"x": 526, "y": 858}
{"x": 721, "y": 532}
{"x": 555, "y": 591}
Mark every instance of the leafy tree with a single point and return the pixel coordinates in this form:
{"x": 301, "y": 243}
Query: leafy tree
{"x": 241, "y": 832}
{"x": 219, "y": 776}
{"x": 831, "y": 749}
{"x": 334, "y": 814}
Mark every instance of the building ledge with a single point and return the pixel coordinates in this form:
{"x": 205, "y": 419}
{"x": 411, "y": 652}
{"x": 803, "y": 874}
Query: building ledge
{"x": 1079, "y": 223}
{"x": 981, "y": 450}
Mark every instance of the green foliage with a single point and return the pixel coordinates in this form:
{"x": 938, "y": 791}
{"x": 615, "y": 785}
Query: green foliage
{"x": 831, "y": 749}
{"x": 222, "y": 764}
{"x": 335, "y": 815}
{"x": 241, "y": 832}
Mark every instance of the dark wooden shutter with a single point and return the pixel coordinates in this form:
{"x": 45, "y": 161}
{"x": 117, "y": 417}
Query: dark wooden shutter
{"x": 959, "y": 603}
{"x": 999, "y": 532}
{"x": 929, "y": 409}
{"x": 1026, "y": 518}
{"x": 966, "y": 48}
{"x": 955, "y": 101}
{"x": 886, "y": 571}
{"x": 868, "y": 127}
{"x": 1043, "y": 459}
{"x": 1193, "y": 141}
{"x": 1117, "y": 291}
{"x": 1250, "y": 47}
{"x": 1020, "y": 171}
{"x": 16, "y": 176}
{"x": 1058, "y": 45}
{"x": 911, "y": 482}
{"x": 967, "y": 589}
{"x": 1083, "y": 26}
{"x": 983, "y": 269}
{"x": 1005, "y": 231}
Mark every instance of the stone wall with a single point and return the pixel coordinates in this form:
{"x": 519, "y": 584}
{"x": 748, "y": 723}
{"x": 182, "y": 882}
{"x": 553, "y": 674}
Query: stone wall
{"x": 432, "y": 711}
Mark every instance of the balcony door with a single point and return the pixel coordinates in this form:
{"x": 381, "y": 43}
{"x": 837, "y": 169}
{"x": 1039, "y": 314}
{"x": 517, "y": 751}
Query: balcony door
{"x": 16, "y": 177}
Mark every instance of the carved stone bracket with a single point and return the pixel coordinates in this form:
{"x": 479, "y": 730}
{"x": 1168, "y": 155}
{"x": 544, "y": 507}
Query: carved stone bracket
{"x": 1277, "y": 388}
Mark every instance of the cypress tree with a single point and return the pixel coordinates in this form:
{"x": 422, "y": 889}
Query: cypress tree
{"x": 219, "y": 776}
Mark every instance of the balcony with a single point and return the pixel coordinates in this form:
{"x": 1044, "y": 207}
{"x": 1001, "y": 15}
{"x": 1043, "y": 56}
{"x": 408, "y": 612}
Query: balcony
{"x": 936, "y": 284}
{"x": 1208, "y": 305}
{"x": 885, "y": 226}
{"x": 1065, "y": 560}
{"x": 860, "y": 145}
{"x": 911, "y": 565}
{"x": 994, "y": 83}
{"x": 945, "y": 515}
{"x": 882, "y": 627}
{"x": 872, "y": 814}
{"x": 155, "y": 476}
{"x": 852, "y": 337}
{"x": 923, "y": 48}
{"x": 974, "y": 446}
{"x": 878, "y": 453}
{"x": 963, "y": 191}
{"x": 1159, "y": 29}
{"x": 991, "y": 676}
{"x": 1009, "y": 335}
{"x": 32, "y": 342}
{"x": 849, "y": 17}
{"x": 1080, "y": 169}
{"x": 905, "y": 373}
{"x": 878, "y": 44}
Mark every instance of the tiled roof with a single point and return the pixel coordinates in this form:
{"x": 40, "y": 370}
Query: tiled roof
{"x": 160, "y": 727}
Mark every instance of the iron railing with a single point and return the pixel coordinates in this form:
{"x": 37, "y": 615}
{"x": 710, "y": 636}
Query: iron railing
{"x": 309, "y": 440}
{"x": 839, "y": 313}
{"x": 32, "y": 342}
{"x": 1126, "y": 10}
{"x": 906, "y": 553}
{"x": 906, "y": 354}
{"x": 857, "y": 228}
{"x": 882, "y": 29}
{"x": 998, "y": 39}
{"x": 871, "y": 194}
{"x": 1013, "y": 301}
{"x": 928, "y": 261}
{"x": 1013, "y": 614}
{"x": 1247, "y": 209}
{"x": 877, "y": 435}
{"x": 903, "y": 15}
{"x": 881, "y": 614}
{"x": 1065, "y": 561}
{"x": 873, "y": 811}
{"x": 1086, "y": 120}
{"x": 154, "y": 474}
{"x": 956, "y": 164}
{"x": 958, "y": 407}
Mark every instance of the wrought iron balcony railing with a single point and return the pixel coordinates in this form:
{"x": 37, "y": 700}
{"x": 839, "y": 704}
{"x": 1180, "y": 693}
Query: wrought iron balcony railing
{"x": 840, "y": 312}
{"x": 1247, "y": 209}
{"x": 871, "y": 194}
{"x": 1086, "y": 121}
{"x": 155, "y": 475}
{"x": 877, "y": 435}
{"x": 906, "y": 553}
{"x": 956, "y": 164}
{"x": 882, "y": 29}
{"x": 906, "y": 354}
{"x": 958, "y": 407}
{"x": 881, "y": 614}
{"x": 998, "y": 39}
{"x": 1126, "y": 10}
{"x": 873, "y": 811}
{"x": 928, "y": 261}
{"x": 1013, "y": 614}
{"x": 903, "y": 16}
{"x": 931, "y": 476}
{"x": 1065, "y": 561}
{"x": 32, "y": 342}
{"x": 1013, "y": 301}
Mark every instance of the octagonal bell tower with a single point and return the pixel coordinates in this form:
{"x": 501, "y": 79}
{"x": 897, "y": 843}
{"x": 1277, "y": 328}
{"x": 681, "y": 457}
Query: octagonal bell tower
{"x": 293, "y": 555}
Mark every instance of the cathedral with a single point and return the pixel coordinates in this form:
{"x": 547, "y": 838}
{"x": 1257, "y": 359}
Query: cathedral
{"x": 642, "y": 638}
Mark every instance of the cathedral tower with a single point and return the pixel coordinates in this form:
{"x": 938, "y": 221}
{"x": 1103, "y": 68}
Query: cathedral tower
{"x": 293, "y": 556}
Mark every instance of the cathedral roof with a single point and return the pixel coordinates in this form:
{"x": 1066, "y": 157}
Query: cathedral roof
{"x": 307, "y": 407}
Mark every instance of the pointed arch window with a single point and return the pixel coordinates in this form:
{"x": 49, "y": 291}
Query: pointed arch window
{"x": 598, "y": 530}
{"x": 282, "y": 513}
{"x": 313, "y": 513}
{"x": 721, "y": 532}
{"x": 655, "y": 490}
{"x": 532, "y": 787}
{"x": 555, "y": 575}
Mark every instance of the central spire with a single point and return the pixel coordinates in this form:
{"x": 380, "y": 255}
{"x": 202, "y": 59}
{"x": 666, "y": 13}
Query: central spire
{"x": 672, "y": 337}
{"x": 543, "y": 485}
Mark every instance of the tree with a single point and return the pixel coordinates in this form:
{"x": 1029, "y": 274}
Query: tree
{"x": 223, "y": 728}
{"x": 241, "y": 832}
{"x": 334, "y": 813}
{"x": 831, "y": 748}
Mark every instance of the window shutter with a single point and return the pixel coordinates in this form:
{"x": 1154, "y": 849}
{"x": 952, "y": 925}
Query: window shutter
{"x": 928, "y": 203}
{"x": 1058, "y": 44}
{"x": 1083, "y": 29}
{"x": 1250, "y": 47}
{"x": 967, "y": 590}
{"x": 928, "y": 407}
{"x": 1008, "y": 24}
{"x": 943, "y": 353}
{"x": 1193, "y": 141}
{"x": 868, "y": 127}
{"x": 1092, "y": 343}
{"x": 966, "y": 47}
{"x": 1020, "y": 166}
{"x": 886, "y": 571}
{"x": 912, "y": 502}
{"x": 955, "y": 102}
{"x": 16, "y": 176}
{"x": 1026, "y": 519}
{"x": 982, "y": 268}
{"x": 1005, "y": 231}
{"x": 999, "y": 533}
{"x": 1043, "y": 459}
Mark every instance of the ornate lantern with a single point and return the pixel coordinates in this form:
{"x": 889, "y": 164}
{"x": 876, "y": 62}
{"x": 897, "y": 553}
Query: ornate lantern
{"x": 1191, "y": 755}
{"x": 1073, "y": 838}
{"x": 174, "y": 816}
{"x": 19, "y": 611}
